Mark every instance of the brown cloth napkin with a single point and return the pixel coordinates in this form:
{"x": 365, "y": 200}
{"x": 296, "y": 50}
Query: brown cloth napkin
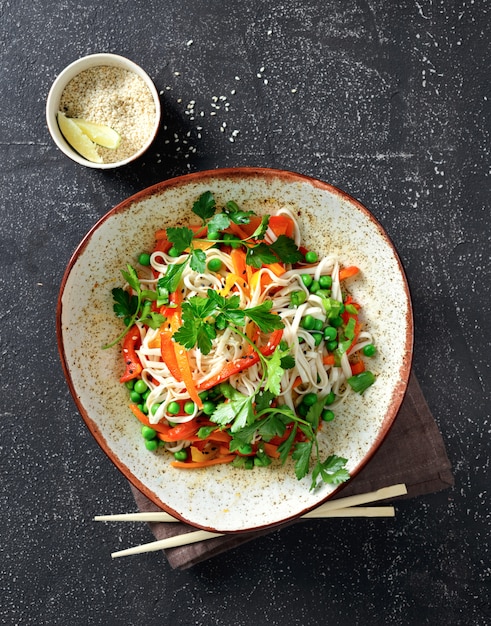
{"x": 412, "y": 453}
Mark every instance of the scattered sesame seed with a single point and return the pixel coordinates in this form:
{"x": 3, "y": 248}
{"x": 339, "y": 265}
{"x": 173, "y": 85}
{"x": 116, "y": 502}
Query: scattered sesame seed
{"x": 189, "y": 43}
{"x": 177, "y": 73}
{"x": 294, "y": 90}
{"x": 233, "y": 92}
{"x": 237, "y": 78}
{"x": 265, "y": 81}
{"x": 262, "y": 69}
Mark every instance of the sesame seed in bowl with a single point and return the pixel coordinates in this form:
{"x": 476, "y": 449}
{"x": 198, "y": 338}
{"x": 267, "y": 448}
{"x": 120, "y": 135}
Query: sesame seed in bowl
{"x": 103, "y": 111}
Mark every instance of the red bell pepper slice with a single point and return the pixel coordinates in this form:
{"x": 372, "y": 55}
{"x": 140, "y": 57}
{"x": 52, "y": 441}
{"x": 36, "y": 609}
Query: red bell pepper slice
{"x": 249, "y": 359}
{"x": 132, "y": 362}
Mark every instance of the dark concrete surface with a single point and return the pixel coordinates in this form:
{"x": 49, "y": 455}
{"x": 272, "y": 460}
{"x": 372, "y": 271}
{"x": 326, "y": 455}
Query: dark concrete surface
{"x": 387, "y": 100}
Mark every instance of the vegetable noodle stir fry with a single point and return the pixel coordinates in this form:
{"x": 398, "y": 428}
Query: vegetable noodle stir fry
{"x": 240, "y": 345}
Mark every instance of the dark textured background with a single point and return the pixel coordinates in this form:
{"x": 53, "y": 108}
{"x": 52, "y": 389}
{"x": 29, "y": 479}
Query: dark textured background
{"x": 387, "y": 100}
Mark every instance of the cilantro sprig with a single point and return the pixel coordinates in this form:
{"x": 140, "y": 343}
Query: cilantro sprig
{"x": 135, "y": 307}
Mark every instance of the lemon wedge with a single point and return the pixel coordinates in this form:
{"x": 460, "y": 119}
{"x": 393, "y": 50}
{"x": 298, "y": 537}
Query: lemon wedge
{"x": 99, "y": 133}
{"x": 78, "y": 139}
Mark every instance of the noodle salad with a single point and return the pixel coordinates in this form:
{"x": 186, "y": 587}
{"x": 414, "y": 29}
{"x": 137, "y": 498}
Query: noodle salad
{"x": 239, "y": 344}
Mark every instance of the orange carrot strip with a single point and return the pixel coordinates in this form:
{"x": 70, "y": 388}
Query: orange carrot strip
{"x": 348, "y": 272}
{"x": 162, "y": 429}
{"x": 328, "y": 359}
{"x": 358, "y": 367}
{"x": 238, "y": 257}
{"x": 271, "y": 450}
{"x": 276, "y": 268}
{"x": 191, "y": 465}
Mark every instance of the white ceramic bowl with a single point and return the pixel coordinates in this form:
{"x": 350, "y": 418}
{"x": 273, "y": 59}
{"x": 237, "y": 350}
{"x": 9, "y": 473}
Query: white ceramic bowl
{"x": 62, "y": 80}
{"x": 222, "y": 498}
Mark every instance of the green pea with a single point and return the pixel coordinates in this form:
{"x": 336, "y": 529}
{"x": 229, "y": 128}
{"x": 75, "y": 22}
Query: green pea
{"x": 311, "y": 257}
{"x": 143, "y": 408}
{"x": 329, "y": 399}
{"x": 325, "y": 282}
{"x": 331, "y": 345}
{"x": 318, "y": 324}
{"x": 336, "y": 322}
{"x": 330, "y": 333}
{"x": 208, "y": 407}
{"x": 130, "y": 384}
{"x": 369, "y": 350}
{"x": 173, "y": 408}
{"x": 213, "y": 235}
{"x": 135, "y": 397}
{"x": 140, "y": 386}
{"x": 181, "y": 455}
{"x": 302, "y": 409}
{"x": 203, "y": 395}
{"x": 173, "y": 252}
{"x": 246, "y": 448}
{"x": 317, "y": 338}
{"x": 314, "y": 286}
{"x": 306, "y": 279}
{"x": 309, "y": 399}
{"x": 151, "y": 444}
{"x": 189, "y": 407}
{"x": 307, "y": 322}
{"x": 283, "y": 345}
{"x": 148, "y": 433}
{"x": 154, "y": 408}
{"x": 327, "y": 415}
{"x": 144, "y": 259}
{"x": 297, "y": 298}
{"x": 214, "y": 265}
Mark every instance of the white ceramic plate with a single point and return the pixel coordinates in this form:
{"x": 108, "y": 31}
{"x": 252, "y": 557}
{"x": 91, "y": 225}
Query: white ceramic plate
{"x": 222, "y": 498}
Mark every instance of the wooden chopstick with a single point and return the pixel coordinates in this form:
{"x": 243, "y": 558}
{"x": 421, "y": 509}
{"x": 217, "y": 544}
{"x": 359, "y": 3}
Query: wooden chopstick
{"x": 343, "y": 507}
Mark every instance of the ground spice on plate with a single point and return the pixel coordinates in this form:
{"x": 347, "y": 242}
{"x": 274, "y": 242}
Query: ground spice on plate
{"x": 117, "y": 98}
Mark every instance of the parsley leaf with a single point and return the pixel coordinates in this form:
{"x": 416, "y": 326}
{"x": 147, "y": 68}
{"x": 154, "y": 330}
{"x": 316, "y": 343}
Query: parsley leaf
{"x": 198, "y": 261}
{"x": 204, "y": 206}
{"x": 275, "y": 373}
{"x": 286, "y": 250}
{"x": 301, "y": 454}
{"x": 172, "y": 277}
{"x": 181, "y": 238}
{"x": 219, "y": 222}
{"x": 125, "y": 305}
{"x": 332, "y": 471}
{"x": 195, "y": 330}
{"x": 285, "y": 447}
{"x": 259, "y": 255}
{"x": 237, "y": 412}
{"x": 261, "y": 316}
{"x": 131, "y": 277}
